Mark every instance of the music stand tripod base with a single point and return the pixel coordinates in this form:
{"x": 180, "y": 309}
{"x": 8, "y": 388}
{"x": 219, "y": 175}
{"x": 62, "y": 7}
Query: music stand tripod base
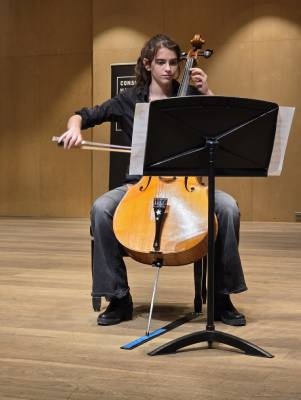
{"x": 211, "y": 337}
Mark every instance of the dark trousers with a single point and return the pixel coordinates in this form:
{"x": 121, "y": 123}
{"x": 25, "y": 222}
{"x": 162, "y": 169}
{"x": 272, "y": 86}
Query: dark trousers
{"x": 109, "y": 270}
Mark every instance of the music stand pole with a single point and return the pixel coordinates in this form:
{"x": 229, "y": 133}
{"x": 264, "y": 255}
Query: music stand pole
{"x": 211, "y": 145}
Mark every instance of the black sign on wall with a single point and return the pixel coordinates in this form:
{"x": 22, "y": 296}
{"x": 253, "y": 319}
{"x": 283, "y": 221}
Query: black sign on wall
{"x": 122, "y": 77}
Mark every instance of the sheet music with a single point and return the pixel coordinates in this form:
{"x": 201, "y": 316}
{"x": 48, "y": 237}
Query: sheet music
{"x": 284, "y": 122}
{"x": 139, "y": 138}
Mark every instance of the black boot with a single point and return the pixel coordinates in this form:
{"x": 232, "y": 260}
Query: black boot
{"x": 225, "y": 311}
{"x": 117, "y": 311}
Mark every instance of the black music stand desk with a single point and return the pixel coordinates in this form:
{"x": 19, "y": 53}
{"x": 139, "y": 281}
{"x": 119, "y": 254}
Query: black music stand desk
{"x": 210, "y": 136}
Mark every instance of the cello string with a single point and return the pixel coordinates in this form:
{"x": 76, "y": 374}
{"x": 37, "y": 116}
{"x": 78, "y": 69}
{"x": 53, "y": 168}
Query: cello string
{"x": 186, "y": 77}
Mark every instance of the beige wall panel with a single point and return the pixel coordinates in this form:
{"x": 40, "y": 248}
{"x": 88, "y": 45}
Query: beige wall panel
{"x": 19, "y": 143}
{"x": 66, "y": 26}
{"x": 230, "y": 69}
{"x": 118, "y": 25}
{"x": 16, "y": 17}
{"x": 215, "y": 20}
{"x": 38, "y": 95}
{"x": 242, "y": 190}
{"x": 264, "y": 72}
{"x": 45, "y": 27}
{"x": 45, "y": 71}
{"x": 65, "y": 175}
{"x": 277, "y": 20}
{"x": 277, "y": 68}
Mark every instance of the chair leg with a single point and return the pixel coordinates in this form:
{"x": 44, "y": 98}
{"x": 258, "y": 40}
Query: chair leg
{"x": 200, "y": 290}
{"x": 204, "y": 280}
{"x": 96, "y": 301}
{"x": 197, "y": 270}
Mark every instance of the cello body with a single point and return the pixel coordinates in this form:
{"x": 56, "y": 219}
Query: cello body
{"x": 184, "y": 228}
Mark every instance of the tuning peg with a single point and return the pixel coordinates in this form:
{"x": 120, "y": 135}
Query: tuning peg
{"x": 206, "y": 53}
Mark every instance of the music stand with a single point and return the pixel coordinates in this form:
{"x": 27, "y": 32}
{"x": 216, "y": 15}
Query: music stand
{"x": 210, "y": 136}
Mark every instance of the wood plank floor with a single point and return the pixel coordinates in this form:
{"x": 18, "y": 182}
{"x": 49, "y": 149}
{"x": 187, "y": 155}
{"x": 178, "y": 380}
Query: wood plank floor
{"x": 52, "y": 348}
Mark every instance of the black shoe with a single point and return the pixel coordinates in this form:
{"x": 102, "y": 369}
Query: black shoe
{"x": 227, "y": 313}
{"x": 117, "y": 311}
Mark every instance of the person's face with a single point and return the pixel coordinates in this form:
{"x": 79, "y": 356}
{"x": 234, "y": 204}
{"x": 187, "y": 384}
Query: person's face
{"x": 163, "y": 67}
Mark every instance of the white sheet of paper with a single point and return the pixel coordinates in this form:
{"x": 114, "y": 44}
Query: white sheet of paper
{"x": 284, "y": 122}
{"x": 139, "y": 138}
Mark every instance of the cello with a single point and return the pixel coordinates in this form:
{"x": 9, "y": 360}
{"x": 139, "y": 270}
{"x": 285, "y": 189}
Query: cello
{"x": 164, "y": 220}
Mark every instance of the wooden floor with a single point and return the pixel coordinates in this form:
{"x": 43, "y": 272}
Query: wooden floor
{"x": 52, "y": 348}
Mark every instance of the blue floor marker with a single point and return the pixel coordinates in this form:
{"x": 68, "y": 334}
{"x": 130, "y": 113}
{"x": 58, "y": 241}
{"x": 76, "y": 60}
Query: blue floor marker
{"x": 158, "y": 332}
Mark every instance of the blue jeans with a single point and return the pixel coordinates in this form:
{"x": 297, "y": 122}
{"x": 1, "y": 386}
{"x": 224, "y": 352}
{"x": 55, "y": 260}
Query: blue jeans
{"x": 109, "y": 270}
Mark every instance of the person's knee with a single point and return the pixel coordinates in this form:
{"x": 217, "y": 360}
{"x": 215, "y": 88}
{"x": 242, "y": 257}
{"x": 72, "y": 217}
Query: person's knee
{"x": 101, "y": 209}
{"x": 104, "y": 206}
{"x": 231, "y": 208}
{"x": 227, "y": 207}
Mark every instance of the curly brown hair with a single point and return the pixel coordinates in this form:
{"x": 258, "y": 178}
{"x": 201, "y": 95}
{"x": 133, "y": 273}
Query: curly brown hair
{"x": 149, "y": 51}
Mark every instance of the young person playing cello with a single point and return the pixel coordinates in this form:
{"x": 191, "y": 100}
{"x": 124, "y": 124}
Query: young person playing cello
{"x": 156, "y": 71}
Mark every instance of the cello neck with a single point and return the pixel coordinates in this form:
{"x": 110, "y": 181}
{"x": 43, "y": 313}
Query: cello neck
{"x": 197, "y": 43}
{"x": 186, "y": 78}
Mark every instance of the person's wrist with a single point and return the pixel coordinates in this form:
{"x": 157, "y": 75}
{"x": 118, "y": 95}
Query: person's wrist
{"x": 208, "y": 92}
